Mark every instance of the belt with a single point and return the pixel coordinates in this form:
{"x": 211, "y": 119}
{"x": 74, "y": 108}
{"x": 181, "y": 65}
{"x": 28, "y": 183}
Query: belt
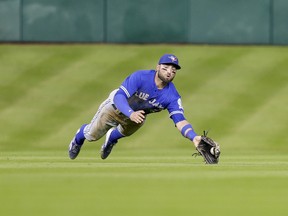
{"x": 118, "y": 111}
{"x": 113, "y": 105}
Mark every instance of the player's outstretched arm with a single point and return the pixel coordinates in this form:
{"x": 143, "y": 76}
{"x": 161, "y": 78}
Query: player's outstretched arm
{"x": 187, "y": 131}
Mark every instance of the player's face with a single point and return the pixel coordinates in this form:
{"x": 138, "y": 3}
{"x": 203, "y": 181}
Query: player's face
{"x": 166, "y": 73}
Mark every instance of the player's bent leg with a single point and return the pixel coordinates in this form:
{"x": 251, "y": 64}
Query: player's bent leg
{"x": 127, "y": 128}
{"x": 112, "y": 137}
{"x": 76, "y": 143}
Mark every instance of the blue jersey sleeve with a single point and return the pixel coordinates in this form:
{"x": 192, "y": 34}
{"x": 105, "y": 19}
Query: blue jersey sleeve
{"x": 176, "y": 111}
{"x": 131, "y": 84}
{"x": 121, "y": 103}
{"x": 177, "y": 118}
{"x": 126, "y": 90}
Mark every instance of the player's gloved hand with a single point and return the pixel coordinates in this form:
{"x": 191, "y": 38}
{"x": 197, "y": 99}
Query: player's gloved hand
{"x": 138, "y": 116}
{"x": 208, "y": 149}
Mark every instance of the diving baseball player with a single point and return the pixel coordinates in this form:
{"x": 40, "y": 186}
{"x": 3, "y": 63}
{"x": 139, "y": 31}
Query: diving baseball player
{"x": 126, "y": 109}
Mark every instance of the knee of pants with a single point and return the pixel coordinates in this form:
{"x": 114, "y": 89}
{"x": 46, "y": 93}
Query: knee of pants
{"x": 91, "y": 137}
{"x": 128, "y": 131}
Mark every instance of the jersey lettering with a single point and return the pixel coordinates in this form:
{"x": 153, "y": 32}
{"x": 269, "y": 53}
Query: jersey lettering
{"x": 142, "y": 95}
{"x": 156, "y": 104}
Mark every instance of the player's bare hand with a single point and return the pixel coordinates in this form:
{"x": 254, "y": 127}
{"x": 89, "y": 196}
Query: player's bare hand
{"x": 197, "y": 140}
{"x": 138, "y": 116}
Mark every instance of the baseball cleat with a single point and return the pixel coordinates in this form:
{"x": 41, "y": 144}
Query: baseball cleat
{"x": 107, "y": 146}
{"x": 74, "y": 149}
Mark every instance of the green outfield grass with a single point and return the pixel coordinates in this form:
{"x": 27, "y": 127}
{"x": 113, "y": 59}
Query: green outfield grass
{"x": 238, "y": 92}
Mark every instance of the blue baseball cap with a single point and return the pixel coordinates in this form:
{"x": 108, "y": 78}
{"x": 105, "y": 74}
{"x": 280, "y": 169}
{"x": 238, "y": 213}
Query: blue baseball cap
{"x": 170, "y": 59}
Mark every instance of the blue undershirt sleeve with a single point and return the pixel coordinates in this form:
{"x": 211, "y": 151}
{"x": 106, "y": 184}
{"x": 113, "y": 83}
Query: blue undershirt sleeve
{"x": 177, "y": 118}
{"x": 121, "y": 103}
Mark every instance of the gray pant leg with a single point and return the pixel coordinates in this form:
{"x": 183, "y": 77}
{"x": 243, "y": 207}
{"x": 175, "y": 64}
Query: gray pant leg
{"x": 102, "y": 121}
{"x": 105, "y": 118}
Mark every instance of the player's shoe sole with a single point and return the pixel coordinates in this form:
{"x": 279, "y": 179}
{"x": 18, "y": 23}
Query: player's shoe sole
{"x": 107, "y": 146}
{"x": 74, "y": 149}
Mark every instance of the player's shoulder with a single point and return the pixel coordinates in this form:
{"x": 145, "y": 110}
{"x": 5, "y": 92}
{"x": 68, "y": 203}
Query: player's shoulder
{"x": 173, "y": 91}
{"x": 144, "y": 72}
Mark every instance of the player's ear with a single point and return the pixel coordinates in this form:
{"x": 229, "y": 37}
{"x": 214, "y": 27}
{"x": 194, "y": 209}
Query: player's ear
{"x": 158, "y": 67}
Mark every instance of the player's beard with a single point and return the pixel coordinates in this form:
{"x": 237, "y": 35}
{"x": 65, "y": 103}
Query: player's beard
{"x": 164, "y": 79}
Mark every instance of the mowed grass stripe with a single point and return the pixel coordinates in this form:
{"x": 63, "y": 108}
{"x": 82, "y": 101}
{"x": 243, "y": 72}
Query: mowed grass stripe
{"x": 36, "y": 74}
{"x": 245, "y": 103}
{"x": 32, "y": 106}
{"x": 203, "y": 64}
{"x": 227, "y": 104}
{"x": 270, "y": 119}
{"x": 15, "y": 60}
{"x": 59, "y": 97}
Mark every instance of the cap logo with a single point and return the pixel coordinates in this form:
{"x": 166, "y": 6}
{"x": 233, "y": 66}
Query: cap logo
{"x": 173, "y": 58}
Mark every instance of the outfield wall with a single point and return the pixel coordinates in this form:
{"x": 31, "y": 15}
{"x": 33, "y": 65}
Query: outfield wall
{"x": 150, "y": 21}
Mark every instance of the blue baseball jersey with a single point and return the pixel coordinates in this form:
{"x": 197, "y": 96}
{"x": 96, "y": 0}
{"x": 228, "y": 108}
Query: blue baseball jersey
{"x": 143, "y": 94}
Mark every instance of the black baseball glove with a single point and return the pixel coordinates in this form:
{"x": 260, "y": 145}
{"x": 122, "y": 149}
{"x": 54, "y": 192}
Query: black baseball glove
{"x": 208, "y": 149}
